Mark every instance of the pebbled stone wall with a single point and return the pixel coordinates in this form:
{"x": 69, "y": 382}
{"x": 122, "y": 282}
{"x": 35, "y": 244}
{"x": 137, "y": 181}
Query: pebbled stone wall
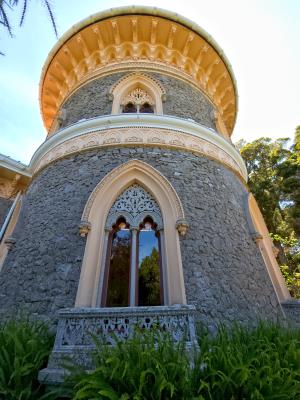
{"x": 5, "y": 205}
{"x": 91, "y": 100}
{"x": 224, "y": 273}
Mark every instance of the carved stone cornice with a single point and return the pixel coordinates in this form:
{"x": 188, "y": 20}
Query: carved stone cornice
{"x": 139, "y": 130}
{"x": 138, "y": 34}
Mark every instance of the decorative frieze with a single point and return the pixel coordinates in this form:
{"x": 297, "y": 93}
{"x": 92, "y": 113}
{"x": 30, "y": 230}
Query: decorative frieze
{"x": 210, "y": 144}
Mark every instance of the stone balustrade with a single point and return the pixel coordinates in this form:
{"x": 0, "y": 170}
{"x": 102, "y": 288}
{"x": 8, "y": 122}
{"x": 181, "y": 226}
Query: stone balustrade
{"x": 79, "y": 327}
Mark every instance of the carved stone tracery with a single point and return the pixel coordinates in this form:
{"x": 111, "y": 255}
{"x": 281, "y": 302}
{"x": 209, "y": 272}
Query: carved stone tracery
{"x": 138, "y": 97}
{"x": 134, "y": 204}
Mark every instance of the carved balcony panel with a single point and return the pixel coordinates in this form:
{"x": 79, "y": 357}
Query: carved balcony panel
{"x": 78, "y": 328}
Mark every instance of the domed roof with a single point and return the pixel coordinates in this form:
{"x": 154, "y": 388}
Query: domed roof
{"x": 137, "y": 37}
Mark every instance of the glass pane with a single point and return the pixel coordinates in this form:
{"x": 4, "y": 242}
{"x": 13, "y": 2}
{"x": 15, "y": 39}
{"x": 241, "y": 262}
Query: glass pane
{"x": 119, "y": 270}
{"x": 149, "y": 268}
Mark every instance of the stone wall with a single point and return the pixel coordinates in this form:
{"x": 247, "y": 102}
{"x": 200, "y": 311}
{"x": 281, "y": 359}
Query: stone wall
{"x": 5, "y": 205}
{"x": 182, "y": 100}
{"x": 224, "y": 273}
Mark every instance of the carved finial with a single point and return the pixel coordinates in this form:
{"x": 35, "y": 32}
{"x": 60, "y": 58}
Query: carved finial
{"x": 182, "y": 227}
{"x": 84, "y": 228}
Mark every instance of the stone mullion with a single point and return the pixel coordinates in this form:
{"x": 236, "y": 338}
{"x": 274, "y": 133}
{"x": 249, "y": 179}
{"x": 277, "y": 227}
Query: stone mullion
{"x": 133, "y": 267}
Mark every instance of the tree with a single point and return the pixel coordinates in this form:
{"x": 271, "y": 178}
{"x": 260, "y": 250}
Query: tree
{"x": 149, "y": 283}
{"x": 274, "y": 180}
{"x": 10, "y": 5}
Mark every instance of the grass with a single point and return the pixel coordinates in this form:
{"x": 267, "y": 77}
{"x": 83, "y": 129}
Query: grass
{"x": 236, "y": 364}
{"x": 24, "y": 349}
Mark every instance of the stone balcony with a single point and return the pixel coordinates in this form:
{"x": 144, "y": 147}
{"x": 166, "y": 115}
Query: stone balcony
{"x": 77, "y": 328}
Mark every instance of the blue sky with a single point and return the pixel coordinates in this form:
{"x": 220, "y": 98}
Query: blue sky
{"x": 260, "y": 38}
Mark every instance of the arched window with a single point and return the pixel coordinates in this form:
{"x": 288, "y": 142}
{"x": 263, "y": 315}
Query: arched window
{"x": 140, "y": 91}
{"x": 138, "y": 101}
{"x": 129, "y": 108}
{"x": 152, "y": 216}
{"x": 133, "y": 270}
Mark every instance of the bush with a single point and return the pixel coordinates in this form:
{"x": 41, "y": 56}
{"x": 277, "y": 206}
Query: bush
{"x": 235, "y": 364}
{"x": 239, "y": 364}
{"x": 148, "y": 366}
{"x": 24, "y": 349}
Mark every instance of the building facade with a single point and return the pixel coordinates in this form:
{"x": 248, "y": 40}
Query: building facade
{"x": 136, "y": 206}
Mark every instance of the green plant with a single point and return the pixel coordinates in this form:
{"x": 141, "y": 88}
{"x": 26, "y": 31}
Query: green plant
{"x": 236, "y": 364}
{"x": 24, "y": 349}
{"x": 148, "y": 366}
{"x": 260, "y": 364}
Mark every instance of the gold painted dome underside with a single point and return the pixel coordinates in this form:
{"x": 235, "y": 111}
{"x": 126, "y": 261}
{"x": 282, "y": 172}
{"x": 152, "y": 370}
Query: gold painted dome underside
{"x": 142, "y": 37}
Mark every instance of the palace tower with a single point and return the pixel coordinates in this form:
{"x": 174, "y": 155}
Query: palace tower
{"x": 136, "y": 206}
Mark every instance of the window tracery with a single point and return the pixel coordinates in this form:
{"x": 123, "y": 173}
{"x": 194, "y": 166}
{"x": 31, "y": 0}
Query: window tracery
{"x": 138, "y": 100}
{"x": 133, "y": 273}
{"x": 137, "y": 93}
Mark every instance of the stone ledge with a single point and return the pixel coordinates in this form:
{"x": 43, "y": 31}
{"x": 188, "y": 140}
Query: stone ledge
{"x": 292, "y": 311}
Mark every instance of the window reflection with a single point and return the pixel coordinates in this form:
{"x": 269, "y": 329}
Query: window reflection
{"x": 149, "y": 293}
{"x": 119, "y": 267}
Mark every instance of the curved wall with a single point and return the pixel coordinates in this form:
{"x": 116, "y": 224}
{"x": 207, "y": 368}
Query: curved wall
{"x": 225, "y": 276}
{"x": 182, "y": 100}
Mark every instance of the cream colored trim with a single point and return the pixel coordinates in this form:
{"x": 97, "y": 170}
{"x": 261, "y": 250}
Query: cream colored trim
{"x": 16, "y": 167}
{"x": 9, "y": 230}
{"x": 265, "y": 245}
{"x": 96, "y": 212}
{"x": 139, "y": 129}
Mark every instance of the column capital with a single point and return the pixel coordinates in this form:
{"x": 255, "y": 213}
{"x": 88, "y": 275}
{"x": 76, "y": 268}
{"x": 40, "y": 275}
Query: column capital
{"x": 84, "y": 228}
{"x": 182, "y": 227}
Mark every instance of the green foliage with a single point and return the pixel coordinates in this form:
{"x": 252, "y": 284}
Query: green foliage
{"x": 261, "y": 364}
{"x": 149, "y": 283}
{"x": 274, "y": 179}
{"x": 236, "y": 364}
{"x": 24, "y": 349}
{"x": 149, "y": 366}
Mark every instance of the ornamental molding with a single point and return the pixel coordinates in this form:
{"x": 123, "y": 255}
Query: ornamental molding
{"x": 135, "y": 76}
{"x": 150, "y": 35}
{"x": 135, "y": 204}
{"x": 139, "y": 130}
{"x": 138, "y": 96}
{"x": 123, "y": 169}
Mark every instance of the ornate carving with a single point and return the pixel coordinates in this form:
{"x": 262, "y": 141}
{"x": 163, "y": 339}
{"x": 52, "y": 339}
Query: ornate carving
{"x": 138, "y": 96}
{"x": 84, "y": 228}
{"x": 140, "y": 135}
{"x": 182, "y": 227}
{"x": 125, "y": 167}
{"x": 78, "y": 329}
{"x": 115, "y": 51}
{"x": 135, "y": 203}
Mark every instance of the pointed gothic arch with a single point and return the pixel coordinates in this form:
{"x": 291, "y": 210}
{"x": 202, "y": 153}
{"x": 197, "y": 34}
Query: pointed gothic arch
{"x": 151, "y": 92}
{"x": 95, "y": 216}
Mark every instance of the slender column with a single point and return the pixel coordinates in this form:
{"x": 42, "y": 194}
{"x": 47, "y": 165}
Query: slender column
{"x": 133, "y": 268}
{"x": 102, "y": 268}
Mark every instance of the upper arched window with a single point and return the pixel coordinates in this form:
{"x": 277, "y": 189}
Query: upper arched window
{"x": 137, "y": 93}
{"x": 138, "y": 101}
{"x": 133, "y": 270}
